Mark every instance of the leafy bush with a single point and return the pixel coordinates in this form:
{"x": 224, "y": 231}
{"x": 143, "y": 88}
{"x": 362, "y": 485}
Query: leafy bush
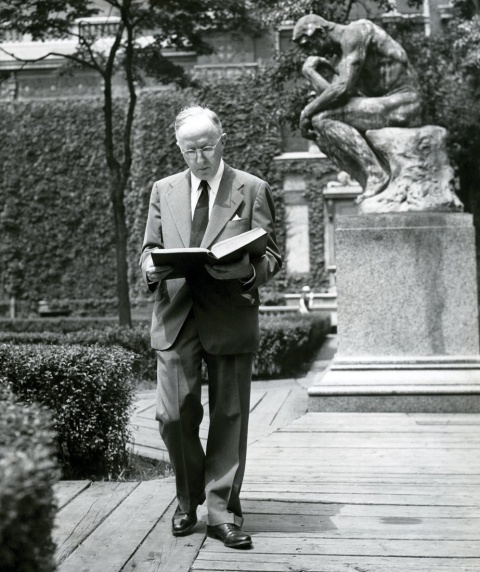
{"x": 62, "y": 325}
{"x": 27, "y": 474}
{"x": 288, "y": 344}
{"x": 135, "y": 339}
{"x": 89, "y": 391}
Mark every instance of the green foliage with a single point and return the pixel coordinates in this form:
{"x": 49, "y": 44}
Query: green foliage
{"x": 63, "y": 325}
{"x": 449, "y": 71}
{"x": 27, "y": 474}
{"x": 288, "y": 344}
{"x": 135, "y": 339}
{"x": 52, "y": 168}
{"x": 89, "y": 391}
{"x": 279, "y": 11}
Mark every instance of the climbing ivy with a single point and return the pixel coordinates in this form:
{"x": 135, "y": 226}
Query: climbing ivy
{"x": 56, "y": 224}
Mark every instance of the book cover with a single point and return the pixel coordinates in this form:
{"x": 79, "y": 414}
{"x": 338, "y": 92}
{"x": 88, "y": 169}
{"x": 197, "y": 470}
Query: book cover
{"x": 190, "y": 260}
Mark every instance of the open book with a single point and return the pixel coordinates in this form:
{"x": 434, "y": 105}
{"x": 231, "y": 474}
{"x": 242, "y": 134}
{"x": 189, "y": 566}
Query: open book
{"x": 189, "y": 260}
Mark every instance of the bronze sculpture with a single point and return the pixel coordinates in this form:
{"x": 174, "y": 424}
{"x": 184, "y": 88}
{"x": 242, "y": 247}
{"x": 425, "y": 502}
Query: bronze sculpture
{"x": 364, "y": 86}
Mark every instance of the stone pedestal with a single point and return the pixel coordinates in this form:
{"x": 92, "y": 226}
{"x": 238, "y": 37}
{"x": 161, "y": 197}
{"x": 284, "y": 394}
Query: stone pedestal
{"x": 408, "y": 336}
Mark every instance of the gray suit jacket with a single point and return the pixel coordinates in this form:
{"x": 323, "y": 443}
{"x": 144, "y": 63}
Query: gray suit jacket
{"x": 226, "y": 311}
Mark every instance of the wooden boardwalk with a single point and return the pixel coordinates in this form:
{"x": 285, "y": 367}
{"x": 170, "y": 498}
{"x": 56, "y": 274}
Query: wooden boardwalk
{"x": 323, "y": 492}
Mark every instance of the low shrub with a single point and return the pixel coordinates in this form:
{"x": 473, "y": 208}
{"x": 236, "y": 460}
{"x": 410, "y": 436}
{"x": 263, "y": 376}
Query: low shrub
{"x": 28, "y": 470}
{"x": 89, "y": 391}
{"x": 135, "y": 339}
{"x": 288, "y": 344}
{"x": 60, "y": 324}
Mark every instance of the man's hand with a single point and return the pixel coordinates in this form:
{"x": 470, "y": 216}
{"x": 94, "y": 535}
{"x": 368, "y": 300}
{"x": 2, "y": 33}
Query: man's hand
{"x": 306, "y": 125}
{"x": 240, "y": 270}
{"x": 157, "y": 273}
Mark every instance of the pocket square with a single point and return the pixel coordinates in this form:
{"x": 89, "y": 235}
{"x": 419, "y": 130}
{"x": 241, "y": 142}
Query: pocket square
{"x": 236, "y": 217}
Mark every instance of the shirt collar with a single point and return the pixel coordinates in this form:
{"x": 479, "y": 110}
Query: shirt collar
{"x": 214, "y": 183}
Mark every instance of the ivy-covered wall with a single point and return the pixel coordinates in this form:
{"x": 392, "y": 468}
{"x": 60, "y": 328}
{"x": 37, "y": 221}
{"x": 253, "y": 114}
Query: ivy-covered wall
{"x": 56, "y": 227}
{"x": 55, "y": 218}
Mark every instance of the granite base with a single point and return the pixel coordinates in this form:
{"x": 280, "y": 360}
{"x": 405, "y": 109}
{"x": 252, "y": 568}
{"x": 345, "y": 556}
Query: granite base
{"x": 408, "y": 338}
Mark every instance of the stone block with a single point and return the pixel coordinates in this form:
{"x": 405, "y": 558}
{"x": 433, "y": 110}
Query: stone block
{"x": 408, "y": 336}
{"x": 407, "y": 285}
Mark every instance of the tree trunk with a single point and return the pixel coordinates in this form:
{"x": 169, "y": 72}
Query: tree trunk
{"x": 117, "y": 193}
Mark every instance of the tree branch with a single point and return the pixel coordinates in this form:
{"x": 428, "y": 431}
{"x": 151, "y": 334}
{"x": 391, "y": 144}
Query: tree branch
{"x": 88, "y": 46}
{"x": 348, "y": 9}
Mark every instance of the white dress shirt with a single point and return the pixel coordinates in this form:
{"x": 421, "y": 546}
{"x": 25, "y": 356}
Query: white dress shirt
{"x": 213, "y": 186}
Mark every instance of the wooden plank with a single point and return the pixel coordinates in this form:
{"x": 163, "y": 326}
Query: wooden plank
{"x": 151, "y": 453}
{"x": 451, "y": 500}
{"x": 454, "y": 419}
{"x": 354, "y": 510}
{"x": 113, "y": 542}
{"x": 266, "y": 410}
{"x": 354, "y": 420}
{"x": 377, "y": 478}
{"x": 255, "y": 397}
{"x": 146, "y": 422}
{"x": 163, "y": 552}
{"x": 65, "y": 491}
{"x": 87, "y": 511}
{"x": 366, "y": 457}
{"x": 328, "y": 466}
{"x": 318, "y": 421}
{"x": 253, "y": 561}
{"x": 285, "y": 544}
{"x": 346, "y": 441}
{"x": 372, "y": 427}
{"x": 149, "y": 438}
{"x": 466, "y": 491}
{"x": 292, "y": 408}
{"x": 353, "y": 486}
{"x": 150, "y": 426}
{"x": 341, "y": 526}
{"x": 143, "y": 405}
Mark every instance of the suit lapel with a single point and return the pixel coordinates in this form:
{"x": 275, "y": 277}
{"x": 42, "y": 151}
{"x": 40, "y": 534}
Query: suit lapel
{"x": 226, "y": 203}
{"x": 179, "y": 202}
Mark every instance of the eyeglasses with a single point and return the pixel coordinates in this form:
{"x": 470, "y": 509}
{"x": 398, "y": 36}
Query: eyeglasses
{"x": 207, "y": 152}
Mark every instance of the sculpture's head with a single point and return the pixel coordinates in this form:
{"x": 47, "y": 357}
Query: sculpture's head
{"x": 311, "y": 34}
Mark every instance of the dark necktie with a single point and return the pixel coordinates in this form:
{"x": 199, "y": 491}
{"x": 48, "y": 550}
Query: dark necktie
{"x": 200, "y": 217}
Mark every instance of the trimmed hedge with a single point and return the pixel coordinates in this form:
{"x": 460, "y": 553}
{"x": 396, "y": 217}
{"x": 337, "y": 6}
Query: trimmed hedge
{"x": 90, "y": 393}
{"x": 27, "y": 474}
{"x": 287, "y": 344}
{"x": 135, "y": 339}
{"x": 59, "y": 325}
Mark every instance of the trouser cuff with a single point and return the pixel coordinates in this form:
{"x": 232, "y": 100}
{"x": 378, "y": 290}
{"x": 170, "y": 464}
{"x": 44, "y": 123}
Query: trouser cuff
{"x": 226, "y": 517}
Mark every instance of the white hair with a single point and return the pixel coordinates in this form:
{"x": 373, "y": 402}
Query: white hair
{"x": 194, "y": 111}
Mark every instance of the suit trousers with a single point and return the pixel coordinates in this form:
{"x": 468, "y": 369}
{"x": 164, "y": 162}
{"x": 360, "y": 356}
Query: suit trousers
{"x": 216, "y": 473}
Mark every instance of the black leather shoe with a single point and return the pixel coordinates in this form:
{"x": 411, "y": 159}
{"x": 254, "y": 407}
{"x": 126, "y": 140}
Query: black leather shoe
{"x": 183, "y": 522}
{"x": 230, "y": 535}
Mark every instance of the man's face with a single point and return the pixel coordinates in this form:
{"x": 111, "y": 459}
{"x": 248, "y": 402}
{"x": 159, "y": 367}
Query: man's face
{"x": 195, "y": 134}
{"x": 315, "y": 44}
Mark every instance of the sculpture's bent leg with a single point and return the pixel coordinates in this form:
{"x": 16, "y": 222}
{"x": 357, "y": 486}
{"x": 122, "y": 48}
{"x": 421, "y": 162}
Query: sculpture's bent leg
{"x": 344, "y": 145}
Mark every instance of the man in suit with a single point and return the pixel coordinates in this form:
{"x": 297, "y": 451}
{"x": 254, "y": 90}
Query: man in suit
{"x": 211, "y": 315}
